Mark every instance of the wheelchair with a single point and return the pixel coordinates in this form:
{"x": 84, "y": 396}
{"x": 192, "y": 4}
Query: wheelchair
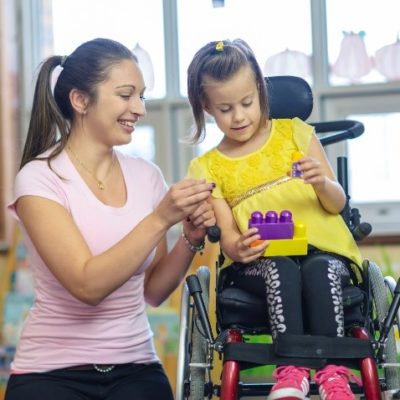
{"x": 371, "y": 305}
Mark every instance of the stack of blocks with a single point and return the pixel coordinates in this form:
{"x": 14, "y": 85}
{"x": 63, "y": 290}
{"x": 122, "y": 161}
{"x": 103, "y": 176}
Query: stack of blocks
{"x": 285, "y": 237}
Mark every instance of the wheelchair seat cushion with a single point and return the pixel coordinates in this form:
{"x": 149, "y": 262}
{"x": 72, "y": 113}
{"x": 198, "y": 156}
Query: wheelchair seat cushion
{"x": 354, "y": 300}
{"x": 239, "y": 308}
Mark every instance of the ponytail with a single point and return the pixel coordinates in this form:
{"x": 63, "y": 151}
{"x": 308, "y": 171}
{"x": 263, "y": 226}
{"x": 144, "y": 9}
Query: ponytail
{"x": 47, "y": 124}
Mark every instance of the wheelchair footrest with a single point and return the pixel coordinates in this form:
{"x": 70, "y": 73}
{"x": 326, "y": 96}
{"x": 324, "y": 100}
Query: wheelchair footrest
{"x": 301, "y": 350}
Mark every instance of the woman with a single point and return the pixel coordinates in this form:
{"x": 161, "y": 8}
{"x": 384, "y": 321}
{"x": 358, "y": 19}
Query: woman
{"x": 94, "y": 222}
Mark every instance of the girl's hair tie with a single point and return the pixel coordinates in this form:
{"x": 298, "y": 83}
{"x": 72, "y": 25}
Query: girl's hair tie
{"x": 220, "y": 46}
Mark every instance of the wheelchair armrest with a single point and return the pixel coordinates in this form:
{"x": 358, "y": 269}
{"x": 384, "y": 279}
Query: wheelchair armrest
{"x": 336, "y": 131}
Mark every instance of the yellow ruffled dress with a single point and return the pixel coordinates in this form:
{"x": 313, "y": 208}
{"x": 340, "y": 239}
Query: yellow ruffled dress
{"x": 259, "y": 182}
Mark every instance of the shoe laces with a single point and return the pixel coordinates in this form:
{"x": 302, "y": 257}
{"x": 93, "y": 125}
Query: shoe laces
{"x": 335, "y": 381}
{"x": 291, "y": 373}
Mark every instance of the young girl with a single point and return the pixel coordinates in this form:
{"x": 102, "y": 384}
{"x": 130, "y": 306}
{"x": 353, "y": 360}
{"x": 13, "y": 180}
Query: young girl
{"x": 95, "y": 224}
{"x": 250, "y": 168}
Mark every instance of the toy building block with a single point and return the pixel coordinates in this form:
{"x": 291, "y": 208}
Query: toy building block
{"x": 297, "y": 246}
{"x": 272, "y": 227}
{"x": 292, "y": 241}
{"x": 296, "y": 156}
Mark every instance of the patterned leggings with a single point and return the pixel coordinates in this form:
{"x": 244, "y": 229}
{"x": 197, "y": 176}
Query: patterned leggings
{"x": 303, "y": 294}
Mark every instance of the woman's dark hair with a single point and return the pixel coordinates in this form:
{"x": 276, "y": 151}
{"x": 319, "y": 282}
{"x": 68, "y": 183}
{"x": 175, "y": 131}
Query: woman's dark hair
{"x": 52, "y": 114}
{"x": 220, "y": 61}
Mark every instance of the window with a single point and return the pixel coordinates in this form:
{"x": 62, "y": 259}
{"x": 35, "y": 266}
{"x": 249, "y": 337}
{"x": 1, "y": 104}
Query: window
{"x": 378, "y": 180}
{"x": 363, "y": 46}
{"x": 267, "y": 26}
{"x": 356, "y": 31}
{"x": 143, "y": 145}
{"x": 212, "y": 138}
{"x": 140, "y": 31}
{"x": 129, "y": 22}
{"x": 372, "y": 157}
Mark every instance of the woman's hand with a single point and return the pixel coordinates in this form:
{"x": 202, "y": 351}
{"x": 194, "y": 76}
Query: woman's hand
{"x": 168, "y": 270}
{"x": 245, "y": 250}
{"x": 182, "y": 200}
{"x": 196, "y": 224}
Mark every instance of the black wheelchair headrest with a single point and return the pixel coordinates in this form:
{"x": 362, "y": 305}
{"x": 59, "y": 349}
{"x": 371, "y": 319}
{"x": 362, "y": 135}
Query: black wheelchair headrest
{"x": 289, "y": 97}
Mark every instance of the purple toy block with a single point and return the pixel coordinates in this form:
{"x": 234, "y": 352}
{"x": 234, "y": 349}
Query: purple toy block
{"x": 296, "y": 156}
{"x": 295, "y": 170}
{"x": 272, "y": 227}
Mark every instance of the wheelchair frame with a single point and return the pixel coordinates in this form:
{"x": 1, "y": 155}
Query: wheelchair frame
{"x": 197, "y": 344}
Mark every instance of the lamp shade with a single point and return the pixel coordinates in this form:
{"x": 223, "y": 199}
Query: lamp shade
{"x": 387, "y": 61}
{"x": 146, "y": 66}
{"x": 288, "y": 62}
{"x": 353, "y": 61}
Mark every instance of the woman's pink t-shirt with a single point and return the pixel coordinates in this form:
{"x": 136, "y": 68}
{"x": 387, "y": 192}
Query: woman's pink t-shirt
{"x": 60, "y": 330}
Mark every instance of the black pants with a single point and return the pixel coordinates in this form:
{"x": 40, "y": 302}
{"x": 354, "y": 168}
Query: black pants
{"x": 127, "y": 382}
{"x": 303, "y": 294}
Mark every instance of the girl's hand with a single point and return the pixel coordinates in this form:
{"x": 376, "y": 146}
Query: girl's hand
{"x": 195, "y": 225}
{"x": 312, "y": 172}
{"x": 182, "y": 200}
{"x": 244, "y": 252}
{"x": 318, "y": 172}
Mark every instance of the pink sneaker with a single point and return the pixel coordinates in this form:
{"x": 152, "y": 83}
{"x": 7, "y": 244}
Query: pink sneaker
{"x": 333, "y": 383}
{"x": 292, "y": 383}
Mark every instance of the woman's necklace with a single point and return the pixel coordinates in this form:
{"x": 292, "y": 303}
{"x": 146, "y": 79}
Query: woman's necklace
{"x": 100, "y": 183}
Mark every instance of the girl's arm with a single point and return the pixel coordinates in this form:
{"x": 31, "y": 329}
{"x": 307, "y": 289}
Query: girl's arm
{"x": 236, "y": 245}
{"x": 318, "y": 172}
{"x": 91, "y": 278}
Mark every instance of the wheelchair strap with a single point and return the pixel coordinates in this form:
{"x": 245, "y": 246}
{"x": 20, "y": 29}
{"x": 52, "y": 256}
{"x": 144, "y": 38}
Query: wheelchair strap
{"x": 300, "y": 350}
{"x": 254, "y": 354}
{"x": 322, "y": 347}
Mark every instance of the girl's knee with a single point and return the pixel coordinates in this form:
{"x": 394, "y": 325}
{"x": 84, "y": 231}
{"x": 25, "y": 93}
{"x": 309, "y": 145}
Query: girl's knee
{"x": 322, "y": 265}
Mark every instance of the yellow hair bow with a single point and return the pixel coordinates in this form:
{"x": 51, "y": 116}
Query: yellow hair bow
{"x": 219, "y": 46}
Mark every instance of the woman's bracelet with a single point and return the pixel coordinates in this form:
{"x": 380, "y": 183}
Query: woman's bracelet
{"x": 191, "y": 246}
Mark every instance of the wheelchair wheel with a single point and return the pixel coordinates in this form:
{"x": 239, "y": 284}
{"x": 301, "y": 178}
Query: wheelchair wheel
{"x": 199, "y": 345}
{"x": 390, "y": 282}
{"x": 381, "y": 306}
{"x": 182, "y": 373}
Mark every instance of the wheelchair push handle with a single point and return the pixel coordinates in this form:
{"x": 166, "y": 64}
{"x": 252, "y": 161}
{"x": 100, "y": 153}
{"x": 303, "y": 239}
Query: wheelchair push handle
{"x": 193, "y": 285}
{"x": 195, "y": 291}
{"x": 213, "y": 233}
